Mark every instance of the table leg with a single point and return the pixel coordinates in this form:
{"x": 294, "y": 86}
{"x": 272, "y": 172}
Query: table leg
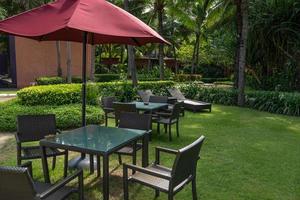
{"x": 45, "y": 164}
{"x": 145, "y": 154}
{"x": 105, "y": 177}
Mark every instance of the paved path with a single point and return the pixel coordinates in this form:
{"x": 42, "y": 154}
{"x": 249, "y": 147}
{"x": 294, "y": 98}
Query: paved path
{"x": 4, "y": 137}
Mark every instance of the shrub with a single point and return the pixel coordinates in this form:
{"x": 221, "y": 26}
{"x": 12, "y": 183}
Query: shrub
{"x": 76, "y": 79}
{"x": 213, "y": 80}
{"x": 273, "y": 102}
{"x": 50, "y": 80}
{"x": 71, "y": 93}
{"x": 106, "y": 77}
{"x": 67, "y": 116}
{"x": 56, "y": 94}
{"x": 187, "y": 77}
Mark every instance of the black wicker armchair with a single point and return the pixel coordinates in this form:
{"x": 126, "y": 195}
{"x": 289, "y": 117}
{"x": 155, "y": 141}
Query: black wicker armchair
{"x": 32, "y": 128}
{"x": 16, "y": 183}
{"x": 163, "y": 179}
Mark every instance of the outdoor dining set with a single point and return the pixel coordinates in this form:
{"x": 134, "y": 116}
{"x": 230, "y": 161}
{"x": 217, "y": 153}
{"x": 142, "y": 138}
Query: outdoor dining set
{"x": 132, "y": 132}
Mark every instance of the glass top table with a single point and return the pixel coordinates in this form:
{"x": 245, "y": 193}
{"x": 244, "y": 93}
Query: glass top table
{"x": 95, "y": 140}
{"x": 149, "y": 106}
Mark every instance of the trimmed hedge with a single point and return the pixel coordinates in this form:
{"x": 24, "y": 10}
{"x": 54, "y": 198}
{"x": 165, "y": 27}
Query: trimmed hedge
{"x": 212, "y": 80}
{"x": 71, "y": 93}
{"x": 50, "y": 80}
{"x": 273, "y": 102}
{"x": 187, "y": 77}
{"x": 67, "y": 116}
{"x": 107, "y": 77}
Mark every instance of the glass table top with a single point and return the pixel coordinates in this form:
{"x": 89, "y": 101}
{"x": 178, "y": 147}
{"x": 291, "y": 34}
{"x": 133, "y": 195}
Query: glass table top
{"x": 149, "y": 106}
{"x": 95, "y": 138}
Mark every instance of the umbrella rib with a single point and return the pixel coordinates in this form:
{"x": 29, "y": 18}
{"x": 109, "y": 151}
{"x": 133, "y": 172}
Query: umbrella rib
{"x": 136, "y": 41}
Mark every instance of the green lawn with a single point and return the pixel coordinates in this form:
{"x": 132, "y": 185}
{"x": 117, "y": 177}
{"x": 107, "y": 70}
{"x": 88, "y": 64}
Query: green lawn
{"x": 8, "y": 91}
{"x": 247, "y": 155}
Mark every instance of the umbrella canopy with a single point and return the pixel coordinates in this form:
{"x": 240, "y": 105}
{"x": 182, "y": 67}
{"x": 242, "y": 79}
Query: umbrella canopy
{"x": 86, "y": 21}
{"x": 65, "y": 20}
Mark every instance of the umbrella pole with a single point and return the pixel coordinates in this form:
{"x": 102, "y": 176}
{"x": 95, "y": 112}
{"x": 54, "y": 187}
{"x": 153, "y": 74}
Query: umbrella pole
{"x": 84, "y": 43}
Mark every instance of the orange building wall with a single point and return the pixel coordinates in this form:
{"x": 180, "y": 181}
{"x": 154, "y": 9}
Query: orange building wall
{"x": 35, "y": 59}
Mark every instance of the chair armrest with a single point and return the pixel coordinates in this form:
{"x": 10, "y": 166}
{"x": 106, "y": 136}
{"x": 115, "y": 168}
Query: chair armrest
{"x": 163, "y": 114}
{"x": 58, "y": 131}
{"x": 27, "y": 165}
{"x": 108, "y": 109}
{"x": 165, "y": 150}
{"x": 62, "y": 183}
{"x": 17, "y": 138}
{"x": 146, "y": 171}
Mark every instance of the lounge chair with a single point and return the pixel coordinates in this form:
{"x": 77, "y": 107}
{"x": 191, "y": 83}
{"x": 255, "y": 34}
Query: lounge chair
{"x": 189, "y": 104}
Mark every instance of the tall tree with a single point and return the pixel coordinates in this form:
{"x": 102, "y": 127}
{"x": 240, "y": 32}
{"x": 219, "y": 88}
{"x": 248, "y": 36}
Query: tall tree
{"x": 58, "y": 57}
{"x": 159, "y": 7}
{"x": 242, "y": 7}
{"x": 131, "y": 55}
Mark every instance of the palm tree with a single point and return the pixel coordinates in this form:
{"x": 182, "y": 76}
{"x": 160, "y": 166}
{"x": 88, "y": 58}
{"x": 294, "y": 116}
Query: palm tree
{"x": 242, "y": 13}
{"x": 131, "y": 55}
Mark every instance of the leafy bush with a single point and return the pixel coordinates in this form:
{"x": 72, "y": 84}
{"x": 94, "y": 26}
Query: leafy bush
{"x": 274, "y": 102}
{"x": 67, "y": 116}
{"x": 50, "y": 80}
{"x": 56, "y": 94}
{"x": 76, "y": 79}
{"x": 71, "y": 93}
{"x": 154, "y": 73}
{"x": 187, "y": 77}
{"x": 106, "y": 77}
{"x": 213, "y": 80}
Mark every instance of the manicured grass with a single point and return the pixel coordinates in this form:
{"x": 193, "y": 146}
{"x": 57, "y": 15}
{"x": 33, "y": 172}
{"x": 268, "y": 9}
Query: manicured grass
{"x": 247, "y": 155}
{"x": 8, "y": 91}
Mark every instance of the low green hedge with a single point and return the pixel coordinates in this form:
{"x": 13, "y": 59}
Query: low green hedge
{"x": 273, "y": 102}
{"x": 67, "y": 116}
{"x": 107, "y": 77}
{"x": 187, "y": 77}
{"x": 213, "y": 80}
{"x": 50, "y": 80}
{"x": 71, "y": 93}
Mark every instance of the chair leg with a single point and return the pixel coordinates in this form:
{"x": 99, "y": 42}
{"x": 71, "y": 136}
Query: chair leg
{"x": 98, "y": 166}
{"x": 194, "y": 188}
{"x": 66, "y": 164}
{"x": 120, "y": 159}
{"x": 166, "y": 128}
{"x": 53, "y": 162}
{"x": 91, "y": 164}
{"x": 125, "y": 183}
{"x": 106, "y": 120}
{"x": 177, "y": 128}
{"x": 170, "y": 196}
{"x": 158, "y": 128}
{"x": 156, "y": 193}
{"x": 170, "y": 132}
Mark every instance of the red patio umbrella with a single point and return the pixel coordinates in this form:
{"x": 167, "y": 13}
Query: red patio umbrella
{"x": 86, "y": 21}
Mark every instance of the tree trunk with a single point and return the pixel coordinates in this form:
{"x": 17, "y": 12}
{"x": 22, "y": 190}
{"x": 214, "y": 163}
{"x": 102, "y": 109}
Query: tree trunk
{"x": 175, "y": 58}
{"x": 93, "y": 58}
{"x": 131, "y": 55}
{"x": 69, "y": 62}
{"x": 242, "y": 52}
{"x": 59, "y": 70}
{"x": 195, "y": 61}
{"x": 239, "y": 33}
{"x": 160, "y": 8}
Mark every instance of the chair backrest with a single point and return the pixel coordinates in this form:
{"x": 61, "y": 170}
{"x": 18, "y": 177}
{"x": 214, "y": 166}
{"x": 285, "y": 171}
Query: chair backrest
{"x": 16, "y": 183}
{"x": 123, "y": 107}
{"x": 145, "y": 95}
{"x": 176, "y": 110}
{"x": 108, "y": 102}
{"x": 189, "y": 154}
{"x": 35, "y": 127}
{"x": 135, "y": 121}
{"x": 174, "y": 92}
{"x": 158, "y": 99}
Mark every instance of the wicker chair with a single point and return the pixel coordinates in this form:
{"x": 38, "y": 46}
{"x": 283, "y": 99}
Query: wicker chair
{"x": 123, "y": 107}
{"x": 145, "y": 95}
{"x": 108, "y": 108}
{"x": 133, "y": 121}
{"x": 32, "y": 128}
{"x": 158, "y": 99}
{"x": 16, "y": 183}
{"x": 165, "y": 179}
{"x": 168, "y": 119}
